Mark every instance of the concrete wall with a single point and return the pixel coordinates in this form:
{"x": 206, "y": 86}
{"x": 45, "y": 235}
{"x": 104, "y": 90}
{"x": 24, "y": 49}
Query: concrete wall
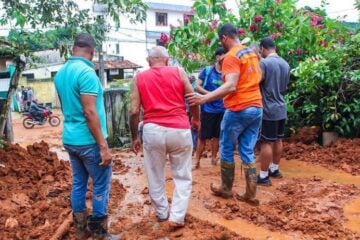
{"x": 43, "y": 72}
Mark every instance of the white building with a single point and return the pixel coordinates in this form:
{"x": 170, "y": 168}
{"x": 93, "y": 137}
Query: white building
{"x": 132, "y": 41}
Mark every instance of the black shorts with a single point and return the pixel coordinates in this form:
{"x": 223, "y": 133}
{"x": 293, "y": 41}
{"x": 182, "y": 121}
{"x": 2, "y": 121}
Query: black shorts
{"x": 210, "y": 125}
{"x": 272, "y": 130}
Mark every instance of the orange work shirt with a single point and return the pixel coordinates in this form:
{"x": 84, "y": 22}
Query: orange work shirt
{"x": 241, "y": 59}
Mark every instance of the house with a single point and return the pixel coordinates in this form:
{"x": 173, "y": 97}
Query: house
{"x": 133, "y": 40}
{"x": 40, "y": 75}
{"x": 118, "y": 69}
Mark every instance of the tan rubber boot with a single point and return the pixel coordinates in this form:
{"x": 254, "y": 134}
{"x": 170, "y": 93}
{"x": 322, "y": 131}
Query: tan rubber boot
{"x": 81, "y": 232}
{"x": 227, "y": 180}
{"x": 251, "y": 185}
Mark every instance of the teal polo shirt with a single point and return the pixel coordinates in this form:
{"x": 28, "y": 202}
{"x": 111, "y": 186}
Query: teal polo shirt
{"x": 77, "y": 77}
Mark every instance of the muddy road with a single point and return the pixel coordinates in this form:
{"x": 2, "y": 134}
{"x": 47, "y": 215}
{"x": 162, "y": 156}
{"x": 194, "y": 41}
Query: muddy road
{"x": 318, "y": 198}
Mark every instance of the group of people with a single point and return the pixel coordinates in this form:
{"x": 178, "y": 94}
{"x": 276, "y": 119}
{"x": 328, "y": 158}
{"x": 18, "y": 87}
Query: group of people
{"x": 24, "y": 97}
{"x": 28, "y": 103}
{"x": 275, "y": 73}
{"x": 238, "y": 100}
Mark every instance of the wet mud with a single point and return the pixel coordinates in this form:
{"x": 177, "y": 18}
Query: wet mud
{"x": 343, "y": 155}
{"x": 310, "y": 202}
{"x": 312, "y": 208}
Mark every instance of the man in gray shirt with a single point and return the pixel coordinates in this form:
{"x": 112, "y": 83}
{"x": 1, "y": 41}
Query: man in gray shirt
{"x": 275, "y": 78}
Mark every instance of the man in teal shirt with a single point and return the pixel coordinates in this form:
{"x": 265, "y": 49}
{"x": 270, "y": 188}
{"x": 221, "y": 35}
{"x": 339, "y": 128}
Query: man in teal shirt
{"x": 84, "y": 134}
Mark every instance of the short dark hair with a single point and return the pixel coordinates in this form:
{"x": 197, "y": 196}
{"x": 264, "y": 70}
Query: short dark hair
{"x": 267, "y": 43}
{"x": 84, "y": 40}
{"x": 220, "y": 51}
{"x": 228, "y": 30}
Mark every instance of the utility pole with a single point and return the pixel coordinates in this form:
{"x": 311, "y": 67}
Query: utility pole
{"x": 101, "y": 61}
{"x": 101, "y": 10}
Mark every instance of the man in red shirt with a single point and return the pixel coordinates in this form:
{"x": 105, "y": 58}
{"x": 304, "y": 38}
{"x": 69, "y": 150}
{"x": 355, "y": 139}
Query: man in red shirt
{"x": 160, "y": 91}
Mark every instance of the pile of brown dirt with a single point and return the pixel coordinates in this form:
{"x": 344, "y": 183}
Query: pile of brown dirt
{"x": 194, "y": 229}
{"x": 344, "y": 154}
{"x": 34, "y": 192}
{"x": 306, "y": 135}
{"x": 311, "y": 207}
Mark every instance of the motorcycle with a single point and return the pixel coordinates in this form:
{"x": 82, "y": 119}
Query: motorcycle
{"x": 29, "y": 122}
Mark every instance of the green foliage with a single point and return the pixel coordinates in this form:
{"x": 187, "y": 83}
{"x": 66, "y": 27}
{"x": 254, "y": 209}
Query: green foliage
{"x": 38, "y": 41}
{"x": 324, "y": 86}
{"x": 124, "y": 84}
{"x": 327, "y": 90}
{"x": 64, "y": 18}
{"x": 3, "y": 143}
{"x": 298, "y": 33}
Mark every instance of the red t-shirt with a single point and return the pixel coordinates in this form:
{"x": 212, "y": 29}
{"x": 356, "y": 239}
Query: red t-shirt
{"x": 162, "y": 97}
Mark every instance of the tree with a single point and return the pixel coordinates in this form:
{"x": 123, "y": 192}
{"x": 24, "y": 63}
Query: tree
{"x": 298, "y": 33}
{"x": 33, "y": 18}
{"x": 321, "y": 51}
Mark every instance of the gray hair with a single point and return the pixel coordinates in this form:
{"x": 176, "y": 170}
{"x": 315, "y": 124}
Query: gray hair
{"x": 158, "y": 52}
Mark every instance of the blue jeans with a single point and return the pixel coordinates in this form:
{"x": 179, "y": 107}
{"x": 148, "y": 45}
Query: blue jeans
{"x": 240, "y": 128}
{"x": 85, "y": 161}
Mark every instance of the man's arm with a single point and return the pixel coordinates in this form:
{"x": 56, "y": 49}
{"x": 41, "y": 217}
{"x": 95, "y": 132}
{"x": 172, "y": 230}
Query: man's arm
{"x": 201, "y": 78}
{"x": 199, "y": 88}
{"x": 195, "y": 110}
{"x": 89, "y": 107}
{"x": 134, "y": 115}
{"x": 231, "y": 70}
{"x": 231, "y": 81}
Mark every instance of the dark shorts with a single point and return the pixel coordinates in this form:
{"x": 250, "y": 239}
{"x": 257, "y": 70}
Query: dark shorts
{"x": 272, "y": 130}
{"x": 210, "y": 125}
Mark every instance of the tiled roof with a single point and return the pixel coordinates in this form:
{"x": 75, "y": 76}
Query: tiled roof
{"x": 126, "y": 64}
{"x": 168, "y": 7}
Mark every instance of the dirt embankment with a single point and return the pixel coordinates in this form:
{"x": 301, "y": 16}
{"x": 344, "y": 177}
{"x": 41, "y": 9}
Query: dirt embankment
{"x": 344, "y": 154}
{"x": 34, "y": 193}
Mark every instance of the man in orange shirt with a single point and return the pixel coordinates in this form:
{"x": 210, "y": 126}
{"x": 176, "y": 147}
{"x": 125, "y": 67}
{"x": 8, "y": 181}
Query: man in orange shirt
{"x": 241, "y": 74}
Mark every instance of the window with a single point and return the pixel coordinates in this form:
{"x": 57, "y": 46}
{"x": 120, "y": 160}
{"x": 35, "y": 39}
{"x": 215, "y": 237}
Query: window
{"x": 161, "y": 19}
{"x": 117, "y": 48}
{"x": 29, "y": 76}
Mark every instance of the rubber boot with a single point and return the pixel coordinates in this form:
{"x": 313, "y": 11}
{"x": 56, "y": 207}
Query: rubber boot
{"x": 251, "y": 185}
{"x": 80, "y": 221}
{"x": 98, "y": 227}
{"x": 227, "y": 180}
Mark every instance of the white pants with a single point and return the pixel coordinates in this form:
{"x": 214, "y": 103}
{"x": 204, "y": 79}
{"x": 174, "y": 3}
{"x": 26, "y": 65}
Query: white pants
{"x": 158, "y": 142}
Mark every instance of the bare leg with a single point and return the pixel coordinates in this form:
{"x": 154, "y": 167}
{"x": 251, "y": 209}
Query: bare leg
{"x": 199, "y": 151}
{"x": 214, "y": 150}
{"x": 277, "y": 151}
{"x": 266, "y": 155}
